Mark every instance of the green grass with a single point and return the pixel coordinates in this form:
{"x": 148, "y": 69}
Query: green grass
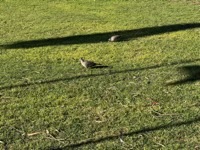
{"x": 148, "y": 99}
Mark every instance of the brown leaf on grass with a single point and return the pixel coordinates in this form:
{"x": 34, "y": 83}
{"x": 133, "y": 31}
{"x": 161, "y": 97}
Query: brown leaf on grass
{"x": 154, "y": 103}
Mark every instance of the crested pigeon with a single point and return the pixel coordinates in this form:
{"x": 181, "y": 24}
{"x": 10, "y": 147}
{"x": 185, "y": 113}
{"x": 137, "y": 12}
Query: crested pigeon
{"x": 88, "y": 64}
{"x": 115, "y": 38}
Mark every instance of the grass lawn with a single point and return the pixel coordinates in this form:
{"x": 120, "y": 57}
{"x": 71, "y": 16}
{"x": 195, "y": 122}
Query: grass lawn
{"x": 148, "y": 98}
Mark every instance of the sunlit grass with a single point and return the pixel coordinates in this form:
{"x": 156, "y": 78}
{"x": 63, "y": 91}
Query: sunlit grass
{"x": 146, "y": 99}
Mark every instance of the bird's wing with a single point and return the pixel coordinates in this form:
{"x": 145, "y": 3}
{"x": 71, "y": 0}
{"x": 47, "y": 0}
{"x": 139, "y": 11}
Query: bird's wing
{"x": 90, "y": 63}
{"x": 93, "y": 63}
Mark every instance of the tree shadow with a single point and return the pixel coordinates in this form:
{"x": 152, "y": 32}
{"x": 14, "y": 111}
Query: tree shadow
{"x": 111, "y": 72}
{"x": 140, "y": 131}
{"x": 192, "y": 73}
{"x": 101, "y": 37}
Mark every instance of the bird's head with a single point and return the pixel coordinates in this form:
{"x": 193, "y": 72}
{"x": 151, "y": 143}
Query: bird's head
{"x": 81, "y": 59}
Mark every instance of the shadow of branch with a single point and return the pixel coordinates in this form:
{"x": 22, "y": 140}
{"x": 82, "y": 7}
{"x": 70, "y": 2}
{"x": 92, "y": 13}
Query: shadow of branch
{"x": 101, "y": 37}
{"x": 192, "y": 73}
{"x": 141, "y": 131}
{"x": 94, "y": 75}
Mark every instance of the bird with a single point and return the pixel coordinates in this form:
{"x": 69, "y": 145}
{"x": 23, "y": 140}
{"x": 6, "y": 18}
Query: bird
{"x": 87, "y": 63}
{"x": 115, "y": 38}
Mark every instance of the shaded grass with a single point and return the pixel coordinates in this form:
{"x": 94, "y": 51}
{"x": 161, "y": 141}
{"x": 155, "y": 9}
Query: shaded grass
{"x": 44, "y": 90}
{"x": 101, "y": 37}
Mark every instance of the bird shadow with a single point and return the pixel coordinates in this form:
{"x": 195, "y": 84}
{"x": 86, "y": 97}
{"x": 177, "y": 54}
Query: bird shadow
{"x": 192, "y": 73}
{"x": 101, "y": 37}
{"x": 111, "y": 72}
{"x": 100, "y": 66}
{"x": 128, "y": 134}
